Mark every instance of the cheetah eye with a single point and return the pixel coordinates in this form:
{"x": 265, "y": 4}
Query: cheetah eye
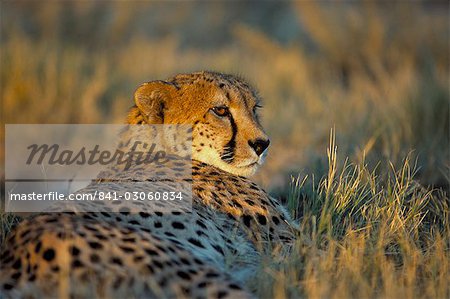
{"x": 221, "y": 111}
{"x": 256, "y": 107}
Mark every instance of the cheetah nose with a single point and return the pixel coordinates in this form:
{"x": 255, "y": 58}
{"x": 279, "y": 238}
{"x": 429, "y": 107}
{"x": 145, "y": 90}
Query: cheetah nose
{"x": 259, "y": 145}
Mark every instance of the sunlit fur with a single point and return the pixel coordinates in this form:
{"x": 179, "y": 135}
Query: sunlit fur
{"x": 221, "y": 141}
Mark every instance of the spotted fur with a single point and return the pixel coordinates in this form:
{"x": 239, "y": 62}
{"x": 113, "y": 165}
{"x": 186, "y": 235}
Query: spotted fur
{"x": 206, "y": 250}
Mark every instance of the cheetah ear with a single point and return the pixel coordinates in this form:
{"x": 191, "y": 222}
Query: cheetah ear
{"x": 152, "y": 98}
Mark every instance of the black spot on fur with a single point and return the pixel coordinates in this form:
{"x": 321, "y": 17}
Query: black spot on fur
{"x": 25, "y": 233}
{"x": 192, "y": 271}
{"x": 218, "y": 249}
{"x": 151, "y": 252}
{"x": 95, "y": 245}
{"x": 162, "y": 282}
{"x": 222, "y": 294}
{"x": 138, "y": 258}
{"x": 144, "y": 215}
{"x": 183, "y": 275}
{"x": 200, "y": 233}
{"x": 186, "y": 291}
{"x": 185, "y": 261}
{"x": 7, "y": 286}
{"x": 17, "y": 264}
{"x": 201, "y": 224}
{"x": 16, "y": 275}
{"x": 38, "y": 247}
{"x": 85, "y": 216}
{"x": 77, "y": 264}
{"x": 212, "y": 275}
{"x": 126, "y": 249}
{"x": 91, "y": 228}
{"x": 238, "y": 205}
{"x": 197, "y": 261}
{"x": 117, "y": 261}
{"x": 247, "y": 219}
{"x": 49, "y": 255}
{"x": 61, "y": 235}
{"x": 234, "y": 286}
{"x": 74, "y": 251}
{"x": 150, "y": 269}
{"x": 275, "y": 220}
{"x": 250, "y": 202}
{"x": 203, "y": 284}
{"x": 196, "y": 242}
{"x": 262, "y": 219}
{"x": 178, "y": 225}
{"x": 129, "y": 240}
{"x": 158, "y": 264}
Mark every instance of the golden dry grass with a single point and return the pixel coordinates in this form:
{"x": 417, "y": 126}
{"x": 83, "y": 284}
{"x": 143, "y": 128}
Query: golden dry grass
{"x": 371, "y": 223}
{"x": 362, "y": 237}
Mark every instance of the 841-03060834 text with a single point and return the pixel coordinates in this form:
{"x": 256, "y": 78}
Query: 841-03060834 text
{"x": 98, "y": 195}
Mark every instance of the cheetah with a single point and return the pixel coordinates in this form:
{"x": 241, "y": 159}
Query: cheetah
{"x": 205, "y": 251}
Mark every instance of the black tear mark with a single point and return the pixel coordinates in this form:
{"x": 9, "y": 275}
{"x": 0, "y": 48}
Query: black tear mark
{"x": 230, "y": 147}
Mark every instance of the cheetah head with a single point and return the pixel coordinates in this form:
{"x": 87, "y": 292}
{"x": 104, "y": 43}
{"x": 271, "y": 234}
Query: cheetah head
{"x": 222, "y": 109}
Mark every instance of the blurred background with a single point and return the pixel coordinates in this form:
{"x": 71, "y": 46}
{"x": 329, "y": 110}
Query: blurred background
{"x": 378, "y": 74}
